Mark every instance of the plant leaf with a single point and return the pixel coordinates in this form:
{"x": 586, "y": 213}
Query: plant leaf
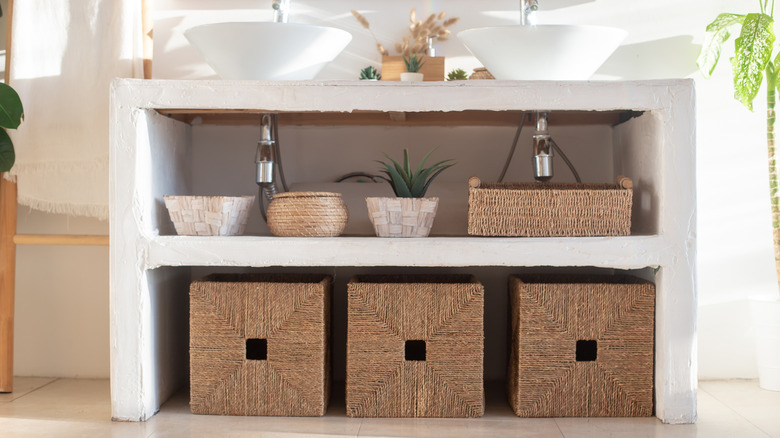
{"x": 422, "y": 163}
{"x": 408, "y": 185}
{"x": 753, "y": 49}
{"x": 398, "y": 169}
{"x": 407, "y": 165}
{"x": 418, "y": 189}
{"x": 7, "y": 155}
{"x": 397, "y": 182}
{"x": 724, "y": 21}
{"x": 430, "y": 180}
{"x": 422, "y": 181}
{"x": 717, "y": 34}
{"x": 11, "y": 110}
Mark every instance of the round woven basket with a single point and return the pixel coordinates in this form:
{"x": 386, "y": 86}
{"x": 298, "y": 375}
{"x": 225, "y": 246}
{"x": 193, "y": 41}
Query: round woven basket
{"x": 209, "y": 215}
{"x": 307, "y": 214}
{"x": 481, "y": 73}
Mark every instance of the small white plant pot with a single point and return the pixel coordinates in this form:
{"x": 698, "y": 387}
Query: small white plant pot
{"x": 411, "y": 77}
{"x": 766, "y": 319}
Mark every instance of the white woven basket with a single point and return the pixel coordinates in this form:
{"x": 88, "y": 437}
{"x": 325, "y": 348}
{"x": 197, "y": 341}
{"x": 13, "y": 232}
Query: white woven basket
{"x": 209, "y": 215}
{"x": 402, "y": 217}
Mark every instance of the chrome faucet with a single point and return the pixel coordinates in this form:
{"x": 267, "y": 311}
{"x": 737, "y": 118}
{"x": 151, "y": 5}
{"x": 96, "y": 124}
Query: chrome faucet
{"x": 265, "y": 163}
{"x": 281, "y": 10}
{"x": 527, "y": 9}
{"x": 543, "y": 149}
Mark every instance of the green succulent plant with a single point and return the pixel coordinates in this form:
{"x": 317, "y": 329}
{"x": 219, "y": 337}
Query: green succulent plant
{"x": 752, "y": 61}
{"x": 457, "y": 75}
{"x": 369, "y": 73}
{"x": 413, "y": 63}
{"x": 408, "y": 184}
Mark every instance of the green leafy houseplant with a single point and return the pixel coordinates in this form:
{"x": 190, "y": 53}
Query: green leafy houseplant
{"x": 457, "y": 75}
{"x": 370, "y": 73}
{"x": 413, "y": 63}
{"x": 11, "y": 115}
{"x": 752, "y": 61}
{"x": 411, "y": 184}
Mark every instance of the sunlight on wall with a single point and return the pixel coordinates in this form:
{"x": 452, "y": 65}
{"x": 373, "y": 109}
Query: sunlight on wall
{"x": 735, "y": 258}
{"x": 53, "y": 37}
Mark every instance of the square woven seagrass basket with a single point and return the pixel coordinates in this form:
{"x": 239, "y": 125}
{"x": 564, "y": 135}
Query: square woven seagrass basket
{"x": 549, "y": 209}
{"x": 581, "y": 346}
{"x": 259, "y": 345}
{"x": 415, "y": 346}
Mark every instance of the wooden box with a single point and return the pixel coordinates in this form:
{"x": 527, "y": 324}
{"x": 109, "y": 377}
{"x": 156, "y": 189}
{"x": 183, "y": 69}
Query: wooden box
{"x": 393, "y": 66}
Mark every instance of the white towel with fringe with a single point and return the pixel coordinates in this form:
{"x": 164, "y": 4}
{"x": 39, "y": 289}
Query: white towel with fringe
{"x": 64, "y": 55}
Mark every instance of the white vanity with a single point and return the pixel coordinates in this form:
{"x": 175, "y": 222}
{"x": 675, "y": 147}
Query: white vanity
{"x": 652, "y": 134}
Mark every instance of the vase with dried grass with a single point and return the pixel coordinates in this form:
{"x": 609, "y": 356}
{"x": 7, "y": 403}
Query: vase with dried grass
{"x": 410, "y": 213}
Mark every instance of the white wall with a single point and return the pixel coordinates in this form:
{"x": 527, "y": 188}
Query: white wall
{"x": 62, "y": 317}
{"x": 61, "y": 320}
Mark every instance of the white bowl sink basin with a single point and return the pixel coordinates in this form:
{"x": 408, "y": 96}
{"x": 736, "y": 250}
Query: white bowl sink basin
{"x": 267, "y": 50}
{"x": 542, "y": 52}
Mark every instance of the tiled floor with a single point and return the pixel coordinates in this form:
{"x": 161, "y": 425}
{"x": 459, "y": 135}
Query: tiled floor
{"x": 42, "y": 407}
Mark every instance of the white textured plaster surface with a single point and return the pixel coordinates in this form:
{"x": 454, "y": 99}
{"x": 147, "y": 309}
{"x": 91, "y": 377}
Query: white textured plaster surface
{"x": 657, "y": 148}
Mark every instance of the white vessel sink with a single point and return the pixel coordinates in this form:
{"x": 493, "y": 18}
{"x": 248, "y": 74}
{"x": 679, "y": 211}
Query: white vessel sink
{"x": 266, "y": 50}
{"x": 542, "y": 52}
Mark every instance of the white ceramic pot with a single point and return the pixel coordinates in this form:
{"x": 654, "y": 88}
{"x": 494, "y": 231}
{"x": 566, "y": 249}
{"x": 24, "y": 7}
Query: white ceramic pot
{"x": 411, "y": 77}
{"x": 766, "y": 320}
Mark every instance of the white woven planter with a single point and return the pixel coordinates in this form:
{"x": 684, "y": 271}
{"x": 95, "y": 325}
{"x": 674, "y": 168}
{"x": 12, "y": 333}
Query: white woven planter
{"x": 209, "y": 215}
{"x": 412, "y": 77}
{"x": 402, "y": 217}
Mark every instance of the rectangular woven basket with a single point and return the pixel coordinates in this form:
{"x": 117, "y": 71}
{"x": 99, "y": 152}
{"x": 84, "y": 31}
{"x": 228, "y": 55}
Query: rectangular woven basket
{"x": 415, "y": 346}
{"x": 549, "y": 209}
{"x": 259, "y": 345}
{"x": 581, "y": 346}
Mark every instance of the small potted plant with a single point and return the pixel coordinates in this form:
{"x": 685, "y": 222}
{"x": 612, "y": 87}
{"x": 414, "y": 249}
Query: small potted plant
{"x": 457, "y": 74}
{"x": 370, "y": 74}
{"x": 413, "y": 64}
{"x": 410, "y": 213}
{"x": 752, "y": 61}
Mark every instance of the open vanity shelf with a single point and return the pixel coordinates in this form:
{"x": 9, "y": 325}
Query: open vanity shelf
{"x": 651, "y": 130}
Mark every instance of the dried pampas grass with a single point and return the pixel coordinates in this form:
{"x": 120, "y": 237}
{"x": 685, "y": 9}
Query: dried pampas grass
{"x": 363, "y": 22}
{"x": 361, "y": 19}
{"x": 420, "y": 32}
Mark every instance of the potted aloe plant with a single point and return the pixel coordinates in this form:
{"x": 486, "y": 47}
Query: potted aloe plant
{"x": 457, "y": 74}
{"x": 11, "y": 115}
{"x": 410, "y": 213}
{"x": 752, "y": 61}
{"x": 413, "y": 64}
{"x": 370, "y": 74}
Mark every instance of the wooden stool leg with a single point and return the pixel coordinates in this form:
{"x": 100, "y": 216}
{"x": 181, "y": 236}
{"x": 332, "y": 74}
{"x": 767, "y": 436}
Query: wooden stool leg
{"x": 7, "y": 278}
